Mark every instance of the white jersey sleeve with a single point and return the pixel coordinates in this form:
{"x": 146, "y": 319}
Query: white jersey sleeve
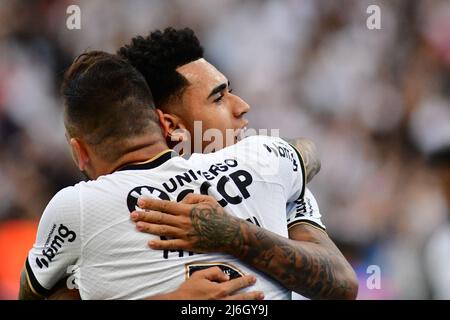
{"x": 304, "y": 210}
{"x": 274, "y": 161}
{"x": 57, "y": 246}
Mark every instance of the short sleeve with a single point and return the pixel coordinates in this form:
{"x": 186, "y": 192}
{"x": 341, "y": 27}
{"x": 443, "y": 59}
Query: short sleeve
{"x": 304, "y": 210}
{"x": 58, "y": 244}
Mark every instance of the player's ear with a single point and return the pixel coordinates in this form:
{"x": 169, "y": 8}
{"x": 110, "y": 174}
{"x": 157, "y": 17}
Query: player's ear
{"x": 79, "y": 153}
{"x": 172, "y": 126}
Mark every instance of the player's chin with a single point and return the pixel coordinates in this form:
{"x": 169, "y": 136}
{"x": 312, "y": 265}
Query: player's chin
{"x": 231, "y": 141}
{"x": 240, "y": 134}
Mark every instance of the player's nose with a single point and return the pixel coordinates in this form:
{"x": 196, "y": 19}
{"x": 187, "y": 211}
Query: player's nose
{"x": 240, "y": 107}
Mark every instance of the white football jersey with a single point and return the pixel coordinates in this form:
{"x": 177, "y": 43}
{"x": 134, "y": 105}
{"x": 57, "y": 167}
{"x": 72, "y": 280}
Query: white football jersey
{"x": 86, "y": 232}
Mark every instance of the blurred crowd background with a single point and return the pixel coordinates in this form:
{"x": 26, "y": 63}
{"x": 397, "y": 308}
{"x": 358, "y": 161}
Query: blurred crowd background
{"x": 375, "y": 102}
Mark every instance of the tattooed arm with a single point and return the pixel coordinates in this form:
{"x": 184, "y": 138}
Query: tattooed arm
{"x": 309, "y": 155}
{"x": 309, "y": 263}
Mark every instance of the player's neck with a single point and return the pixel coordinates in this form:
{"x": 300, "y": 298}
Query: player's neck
{"x": 139, "y": 153}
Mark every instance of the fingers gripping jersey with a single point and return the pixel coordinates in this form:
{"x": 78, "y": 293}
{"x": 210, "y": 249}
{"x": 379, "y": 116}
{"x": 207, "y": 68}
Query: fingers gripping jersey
{"x": 87, "y": 227}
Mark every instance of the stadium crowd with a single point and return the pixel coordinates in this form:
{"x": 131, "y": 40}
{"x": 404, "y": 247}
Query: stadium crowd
{"x": 375, "y": 102}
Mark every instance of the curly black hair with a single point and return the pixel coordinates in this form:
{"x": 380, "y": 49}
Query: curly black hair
{"x": 157, "y": 57}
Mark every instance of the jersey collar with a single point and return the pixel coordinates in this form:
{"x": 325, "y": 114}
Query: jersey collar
{"x": 154, "y": 162}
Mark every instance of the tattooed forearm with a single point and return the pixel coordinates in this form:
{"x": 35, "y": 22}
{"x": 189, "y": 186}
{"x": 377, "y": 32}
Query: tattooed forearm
{"x": 308, "y": 268}
{"x": 313, "y": 268}
{"x": 206, "y": 220}
{"x": 309, "y": 155}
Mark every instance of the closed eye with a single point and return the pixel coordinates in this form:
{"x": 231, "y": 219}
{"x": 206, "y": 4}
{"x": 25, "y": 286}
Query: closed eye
{"x": 219, "y": 98}
{"x": 222, "y": 95}
{"x": 219, "y": 90}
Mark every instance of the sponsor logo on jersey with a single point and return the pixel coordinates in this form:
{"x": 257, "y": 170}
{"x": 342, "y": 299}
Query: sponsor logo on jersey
{"x": 283, "y": 151}
{"x": 52, "y": 248}
{"x": 49, "y": 237}
{"x": 232, "y": 185}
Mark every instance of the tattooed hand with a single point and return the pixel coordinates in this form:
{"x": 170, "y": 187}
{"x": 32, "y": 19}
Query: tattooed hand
{"x": 198, "y": 223}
